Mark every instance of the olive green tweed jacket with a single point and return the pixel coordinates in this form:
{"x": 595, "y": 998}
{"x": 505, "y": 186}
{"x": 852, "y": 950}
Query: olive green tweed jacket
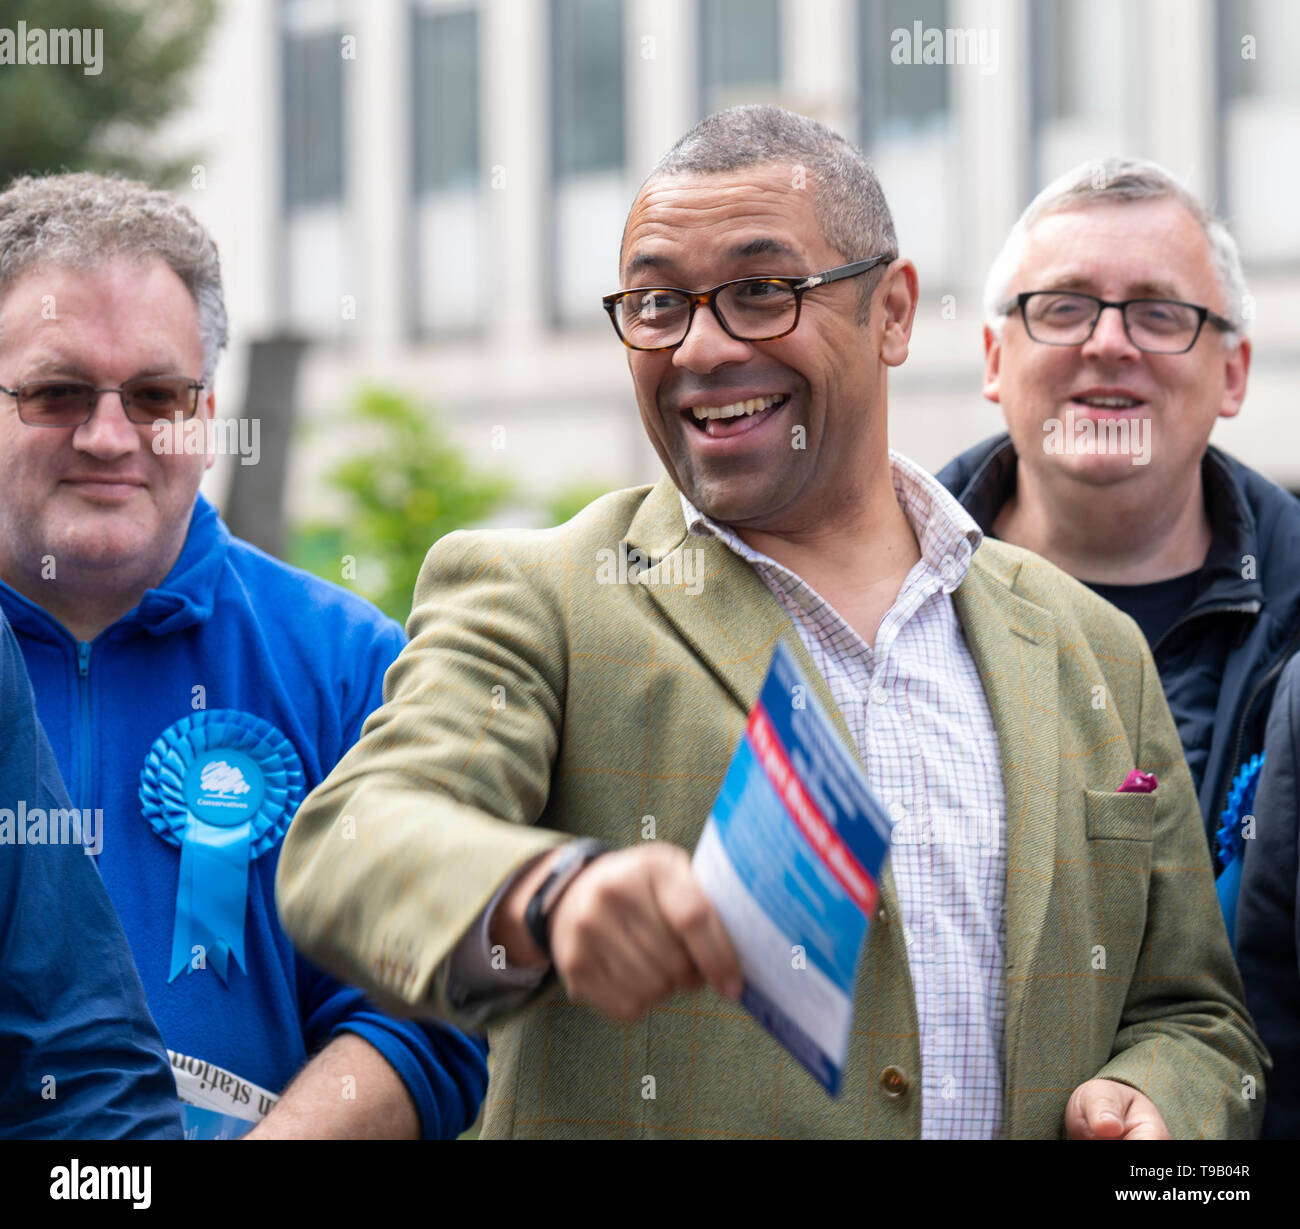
{"x": 544, "y": 694}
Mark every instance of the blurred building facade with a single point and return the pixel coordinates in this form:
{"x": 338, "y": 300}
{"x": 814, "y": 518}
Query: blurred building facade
{"x": 433, "y": 191}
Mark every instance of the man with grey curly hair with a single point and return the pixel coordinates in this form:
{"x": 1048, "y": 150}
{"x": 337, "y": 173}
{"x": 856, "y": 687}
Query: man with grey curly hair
{"x": 1115, "y": 337}
{"x": 81, "y": 219}
{"x": 88, "y": 247}
{"x": 192, "y": 687}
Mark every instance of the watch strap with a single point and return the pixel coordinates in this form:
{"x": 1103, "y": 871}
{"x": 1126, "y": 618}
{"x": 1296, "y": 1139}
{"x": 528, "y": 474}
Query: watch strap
{"x": 537, "y": 916}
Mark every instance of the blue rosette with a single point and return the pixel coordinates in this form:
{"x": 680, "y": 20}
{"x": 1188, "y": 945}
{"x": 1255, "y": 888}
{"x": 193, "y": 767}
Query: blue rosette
{"x": 222, "y": 787}
{"x": 1228, "y": 838}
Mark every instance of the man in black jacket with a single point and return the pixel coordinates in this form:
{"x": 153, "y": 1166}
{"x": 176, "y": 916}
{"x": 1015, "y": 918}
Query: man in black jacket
{"x": 1114, "y": 340}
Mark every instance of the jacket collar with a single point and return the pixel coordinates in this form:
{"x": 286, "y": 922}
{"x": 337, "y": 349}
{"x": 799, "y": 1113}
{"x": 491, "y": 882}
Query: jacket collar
{"x": 1226, "y": 578}
{"x": 992, "y": 483}
{"x": 185, "y": 597}
{"x": 1235, "y": 538}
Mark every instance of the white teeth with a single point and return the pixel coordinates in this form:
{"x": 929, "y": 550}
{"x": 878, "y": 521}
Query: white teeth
{"x": 1109, "y": 403}
{"x": 736, "y": 408}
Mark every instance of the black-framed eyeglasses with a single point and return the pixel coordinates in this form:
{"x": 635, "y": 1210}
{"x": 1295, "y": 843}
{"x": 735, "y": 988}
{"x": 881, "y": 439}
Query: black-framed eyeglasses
{"x": 748, "y": 309}
{"x": 1157, "y": 326}
{"x": 69, "y": 403}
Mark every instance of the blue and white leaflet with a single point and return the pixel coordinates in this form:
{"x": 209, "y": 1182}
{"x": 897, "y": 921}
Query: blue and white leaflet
{"x": 790, "y": 858}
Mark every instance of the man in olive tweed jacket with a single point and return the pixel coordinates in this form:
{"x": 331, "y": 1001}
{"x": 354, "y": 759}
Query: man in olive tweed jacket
{"x": 622, "y": 701}
{"x": 537, "y": 701}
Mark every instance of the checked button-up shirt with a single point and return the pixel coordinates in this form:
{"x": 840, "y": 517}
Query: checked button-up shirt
{"x": 916, "y": 710}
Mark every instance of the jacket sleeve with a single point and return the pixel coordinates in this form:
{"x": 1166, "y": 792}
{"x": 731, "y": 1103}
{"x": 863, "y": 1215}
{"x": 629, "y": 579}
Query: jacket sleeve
{"x": 1185, "y": 1038}
{"x": 394, "y": 855}
{"x": 444, "y": 1070}
{"x": 368, "y": 683}
{"x": 80, "y": 1057}
{"x": 1268, "y": 932}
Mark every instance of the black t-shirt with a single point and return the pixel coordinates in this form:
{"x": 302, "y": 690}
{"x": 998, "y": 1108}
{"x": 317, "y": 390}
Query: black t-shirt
{"x": 1155, "y": 607}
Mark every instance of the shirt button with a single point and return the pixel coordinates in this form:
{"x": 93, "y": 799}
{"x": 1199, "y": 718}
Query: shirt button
{"x": 894, "y": 1082}
{"x": 879, "y": 695}
{"x": 882, "y": 917}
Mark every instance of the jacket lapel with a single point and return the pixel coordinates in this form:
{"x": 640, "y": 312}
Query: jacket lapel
{"x": 713, "y": 598}
{"x": 1014, "y": 644}
{"x": 733, "y": 622}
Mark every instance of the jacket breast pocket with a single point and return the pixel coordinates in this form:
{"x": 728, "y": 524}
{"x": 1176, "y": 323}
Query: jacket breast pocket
{"x": 1110, "y": 904}
{"x": 1120, "y": 817}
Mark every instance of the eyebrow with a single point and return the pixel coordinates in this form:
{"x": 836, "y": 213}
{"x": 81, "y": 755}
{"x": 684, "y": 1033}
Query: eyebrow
{"x": 1139, "y": 290}
{"x": 643, "y": 261}
{"x": 51, "y": 366}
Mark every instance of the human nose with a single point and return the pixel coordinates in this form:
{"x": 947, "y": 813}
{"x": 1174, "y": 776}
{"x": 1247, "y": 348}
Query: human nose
{"x": 108, "y": 432}
{"x": 707, "y": 345}
{"x": 1110, "y": 338}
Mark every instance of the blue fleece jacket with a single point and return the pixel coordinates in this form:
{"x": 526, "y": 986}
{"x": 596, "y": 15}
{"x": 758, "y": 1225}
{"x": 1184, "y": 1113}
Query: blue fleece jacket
{"x": 79, "y": 1055}
{"x": 232, "y": 628}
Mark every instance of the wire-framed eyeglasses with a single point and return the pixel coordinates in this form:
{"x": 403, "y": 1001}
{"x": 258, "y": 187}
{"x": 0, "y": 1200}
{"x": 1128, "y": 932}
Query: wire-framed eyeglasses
{"x": 69, "y": 403}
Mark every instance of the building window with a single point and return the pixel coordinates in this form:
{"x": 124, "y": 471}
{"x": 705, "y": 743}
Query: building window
{"x": 1087, "y": 74}
{"x": 587, "y": 37}
{"x": 1259, "y": 119}
{"x": 445, "y": 46}
{"x": 314, "y": 251}
{"x": 740, "y": 51}
{"x": 1087, "y": 67}
{"x": 904, "y": 123}
{"x": 313, "y": 117}
{"x": 589, "y": 196}
{"x": 448, "y": 289}
{"x": 900, "y": 99}
{"x": 1262, "y": 38}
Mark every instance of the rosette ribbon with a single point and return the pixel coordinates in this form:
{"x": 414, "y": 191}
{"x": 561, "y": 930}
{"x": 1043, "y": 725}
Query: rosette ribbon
{"x": 1229, "y": 840}
{"x": 222, "y": 786}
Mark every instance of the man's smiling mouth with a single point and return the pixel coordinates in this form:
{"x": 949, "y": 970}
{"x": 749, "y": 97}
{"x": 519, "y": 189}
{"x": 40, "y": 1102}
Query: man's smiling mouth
{"x": 736, "y": 417}
{"x": 1107, "y": 400}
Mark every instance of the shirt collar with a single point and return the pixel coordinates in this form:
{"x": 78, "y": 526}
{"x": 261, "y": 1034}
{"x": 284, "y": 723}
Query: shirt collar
{"x": 945, "y": 532}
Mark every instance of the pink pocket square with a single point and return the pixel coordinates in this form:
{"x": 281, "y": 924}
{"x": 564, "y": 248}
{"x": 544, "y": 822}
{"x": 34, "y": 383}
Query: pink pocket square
{"x": 1138, "y": 783}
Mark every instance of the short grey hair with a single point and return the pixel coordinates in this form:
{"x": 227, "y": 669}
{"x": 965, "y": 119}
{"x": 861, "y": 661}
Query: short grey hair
{"x": 77, "y": 221}
{"x": 847, "y": 197}
{"x": 1119, "y": 179}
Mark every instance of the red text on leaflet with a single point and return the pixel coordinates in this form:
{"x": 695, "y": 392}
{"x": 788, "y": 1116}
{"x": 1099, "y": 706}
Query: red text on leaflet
{"x": 850, "y": 873}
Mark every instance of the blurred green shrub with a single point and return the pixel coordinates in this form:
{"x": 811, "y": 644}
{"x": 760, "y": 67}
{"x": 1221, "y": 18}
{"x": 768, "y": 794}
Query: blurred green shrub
{"x": 64, "y": 118}
{"x": 568, "y": 501}
{"x": 400, "y": 495}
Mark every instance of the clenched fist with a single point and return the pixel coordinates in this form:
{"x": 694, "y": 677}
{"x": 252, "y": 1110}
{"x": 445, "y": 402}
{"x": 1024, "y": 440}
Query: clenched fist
{"x": 631, "y": 929}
